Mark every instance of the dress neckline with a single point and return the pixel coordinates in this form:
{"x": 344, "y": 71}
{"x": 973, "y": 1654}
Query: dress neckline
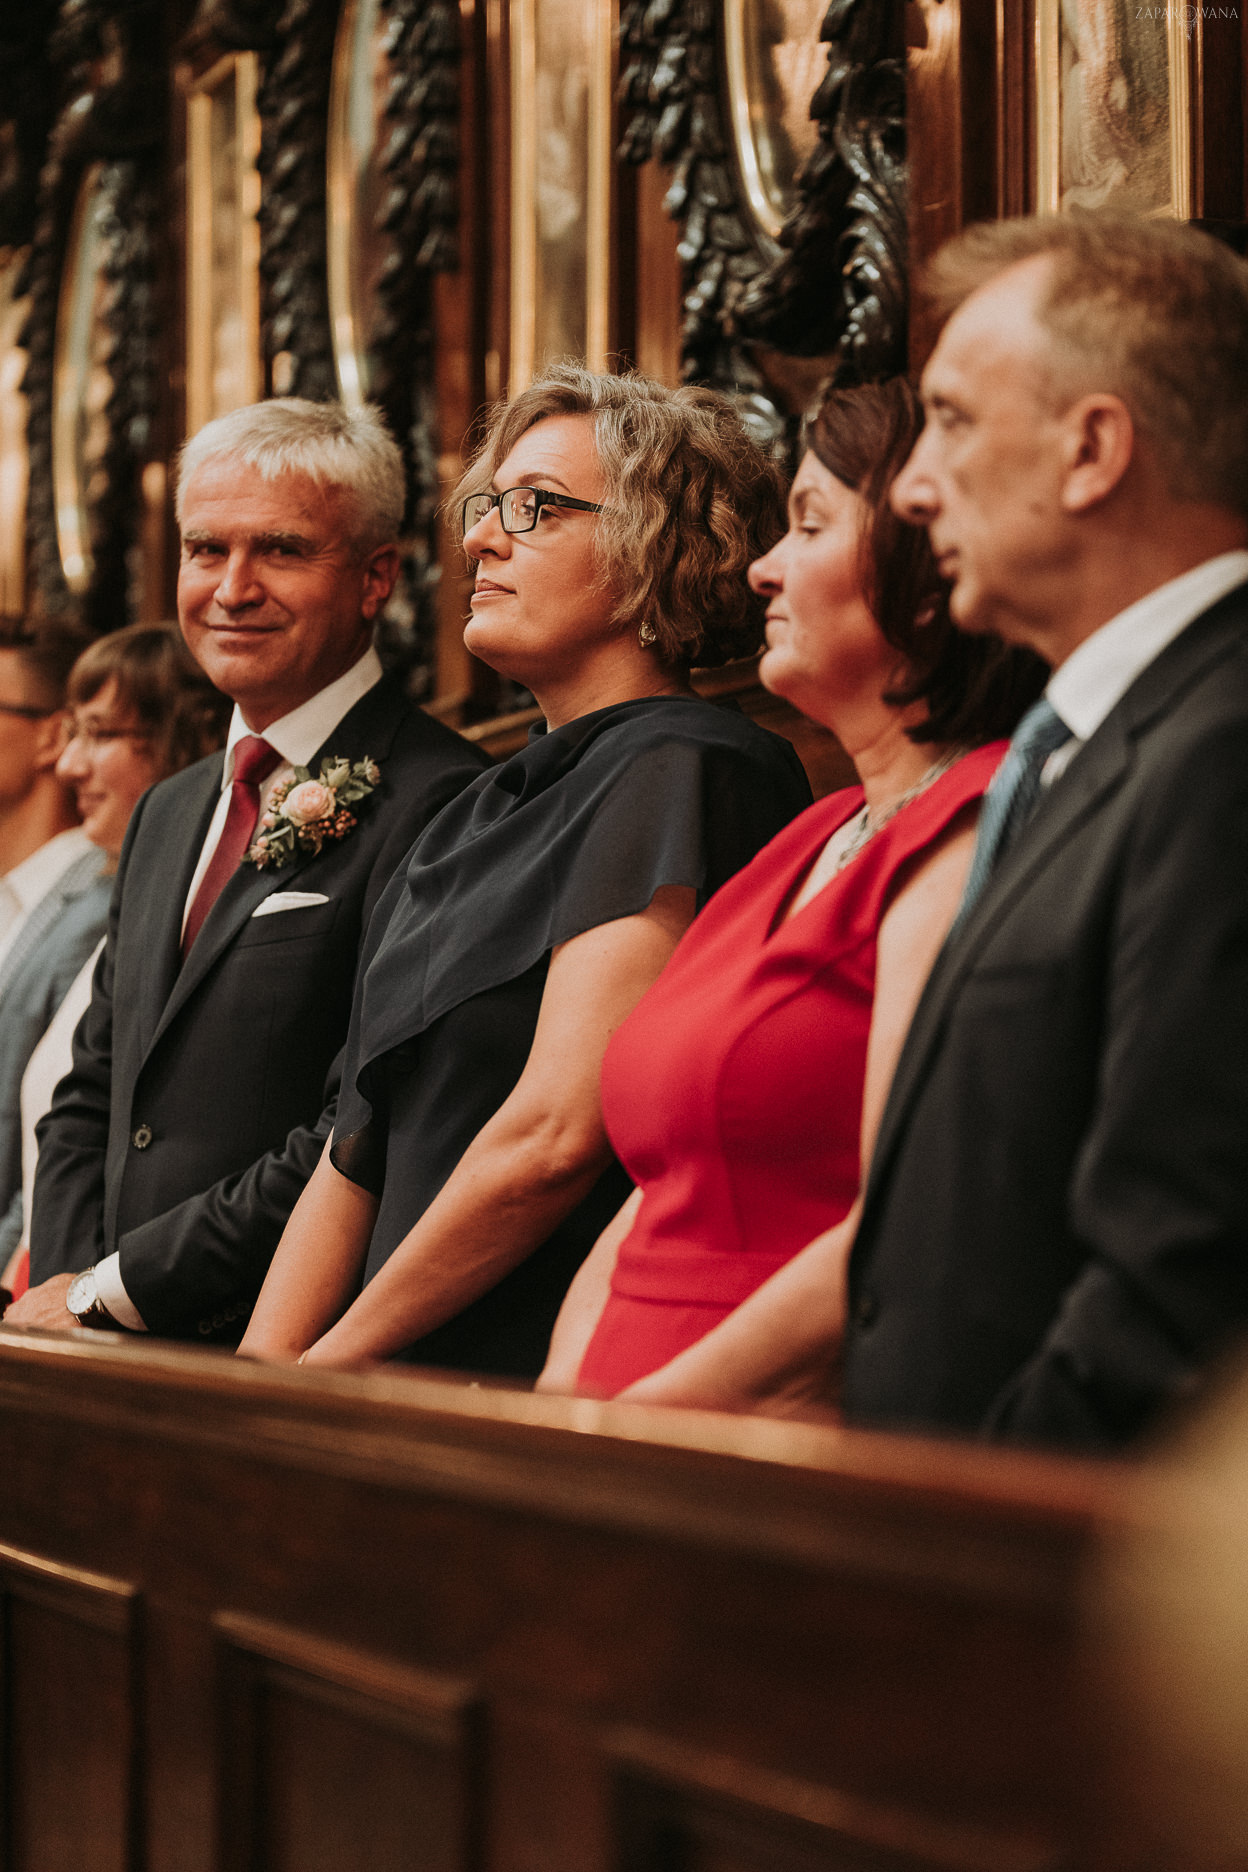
{"x": 782, "y": 918}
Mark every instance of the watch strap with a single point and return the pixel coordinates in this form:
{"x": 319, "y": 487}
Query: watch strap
{"x": 83, "y": 1301}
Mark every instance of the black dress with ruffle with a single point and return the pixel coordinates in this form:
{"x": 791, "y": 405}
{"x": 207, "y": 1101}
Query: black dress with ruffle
{"x": 581, "y": 827}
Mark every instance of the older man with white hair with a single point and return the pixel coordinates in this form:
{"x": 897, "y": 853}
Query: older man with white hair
{"x": 205, "y": 1069}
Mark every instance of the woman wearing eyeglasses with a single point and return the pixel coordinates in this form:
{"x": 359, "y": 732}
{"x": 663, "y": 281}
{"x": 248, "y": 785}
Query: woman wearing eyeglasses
{"x": 612, "y": 521}
{"x": 140, "y": 708}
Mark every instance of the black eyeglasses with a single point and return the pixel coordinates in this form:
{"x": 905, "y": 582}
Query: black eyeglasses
{"x": 519, "y": 507}
{"x": 29, "y": 711}
{"x": 95, "y": 735}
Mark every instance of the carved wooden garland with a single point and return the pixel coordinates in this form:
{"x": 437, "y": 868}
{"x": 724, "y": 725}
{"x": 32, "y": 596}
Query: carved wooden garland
{"x": 844, "y": 245}
{"x": 669, "y": 92}
{"x": 119, "y": 124}
{"x": 293, "y": 102}
{"x": 839, "y": 281}
{"x": 420, "y": 215}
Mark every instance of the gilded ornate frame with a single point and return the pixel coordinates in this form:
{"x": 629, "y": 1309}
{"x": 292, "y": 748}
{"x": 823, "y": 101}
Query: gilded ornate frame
{"x": 1178, "y": 23}
{"x": 526, "y": 71}
{"x": 209, "y": 226}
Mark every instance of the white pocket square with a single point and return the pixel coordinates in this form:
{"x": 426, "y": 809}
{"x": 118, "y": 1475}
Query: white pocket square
{"x": 288, "y": 900}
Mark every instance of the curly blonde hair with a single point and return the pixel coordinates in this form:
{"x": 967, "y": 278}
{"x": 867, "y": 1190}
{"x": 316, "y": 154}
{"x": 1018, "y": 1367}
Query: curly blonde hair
{"x": 691, "y": 501}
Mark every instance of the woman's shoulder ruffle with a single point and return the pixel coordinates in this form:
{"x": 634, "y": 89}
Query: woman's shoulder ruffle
{"x": 622, "y": 736}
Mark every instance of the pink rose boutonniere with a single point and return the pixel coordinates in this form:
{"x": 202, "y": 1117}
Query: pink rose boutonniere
{"x": 305, "y": 814}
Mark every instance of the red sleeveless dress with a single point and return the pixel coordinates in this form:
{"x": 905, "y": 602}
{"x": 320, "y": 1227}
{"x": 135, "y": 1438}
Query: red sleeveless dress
{"x": 733, "y": 1091}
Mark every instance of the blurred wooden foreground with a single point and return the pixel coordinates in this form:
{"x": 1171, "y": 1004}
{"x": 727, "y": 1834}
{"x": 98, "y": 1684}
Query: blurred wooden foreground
{"x": 267, "y": 1621}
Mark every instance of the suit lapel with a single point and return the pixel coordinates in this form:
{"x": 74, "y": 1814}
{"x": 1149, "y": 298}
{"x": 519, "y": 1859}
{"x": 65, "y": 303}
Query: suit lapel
{"x": 239, "y": 898}
{"x": 1079, "y": 792}
{"x": 366, "y": 730}
{"x": 161, "y": 893}
{"x": 1097, "y": 771}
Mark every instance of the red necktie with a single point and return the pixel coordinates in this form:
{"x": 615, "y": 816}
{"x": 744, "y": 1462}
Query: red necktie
{"x": 254, "y": 761}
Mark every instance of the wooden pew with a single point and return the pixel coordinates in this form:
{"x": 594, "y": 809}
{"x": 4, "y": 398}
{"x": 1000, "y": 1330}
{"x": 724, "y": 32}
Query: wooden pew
{"x": 269, "y": 1621}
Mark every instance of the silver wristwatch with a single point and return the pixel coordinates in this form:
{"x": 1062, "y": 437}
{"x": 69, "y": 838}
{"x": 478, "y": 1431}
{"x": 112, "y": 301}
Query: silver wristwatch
{"x": 84, "y": 1302}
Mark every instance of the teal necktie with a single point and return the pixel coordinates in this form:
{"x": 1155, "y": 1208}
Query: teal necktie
{"x": 1011, "y": 799}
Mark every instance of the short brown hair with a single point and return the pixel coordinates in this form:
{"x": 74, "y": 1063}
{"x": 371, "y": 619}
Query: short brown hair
{"x": 975, "y": 688}
{"x": 692, "y": 500}
{"x": 46, "y": 653}
{"x": 1154, "y": 312}
{"x": 179, "y": 712}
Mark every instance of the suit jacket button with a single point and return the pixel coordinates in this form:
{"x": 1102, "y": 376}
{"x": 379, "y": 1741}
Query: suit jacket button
{"x": 142, "y": 1137}
{"x": 866, "y": 1307}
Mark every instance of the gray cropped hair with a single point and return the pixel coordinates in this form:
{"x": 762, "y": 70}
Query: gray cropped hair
{"x": 1155, "y": 312}
{"x": 332, "y": 445}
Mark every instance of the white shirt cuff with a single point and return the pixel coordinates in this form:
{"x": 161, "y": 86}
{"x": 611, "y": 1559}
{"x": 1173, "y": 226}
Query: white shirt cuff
{"x": 112, "y": 1291}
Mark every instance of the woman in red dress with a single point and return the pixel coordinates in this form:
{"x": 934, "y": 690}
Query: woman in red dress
{"x": 743, "y": 1093}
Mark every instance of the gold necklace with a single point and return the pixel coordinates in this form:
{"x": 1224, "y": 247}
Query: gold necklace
{"x": 865, "y": 827}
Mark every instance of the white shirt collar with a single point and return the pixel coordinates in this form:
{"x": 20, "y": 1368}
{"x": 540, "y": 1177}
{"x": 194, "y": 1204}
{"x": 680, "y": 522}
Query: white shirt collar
{"x": 298, "y": 735}
{"x": 1098, "y": 674}
{"x": 38, "y": 874}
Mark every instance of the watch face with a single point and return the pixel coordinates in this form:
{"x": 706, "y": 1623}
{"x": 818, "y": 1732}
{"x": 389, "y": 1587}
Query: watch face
{"x": 81, "y": 1295}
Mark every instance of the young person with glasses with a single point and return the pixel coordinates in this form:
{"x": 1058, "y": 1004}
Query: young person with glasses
{"x": 138, "y": 708}
{"x": 40, "y": 841}
{"x": 612, "y": 521}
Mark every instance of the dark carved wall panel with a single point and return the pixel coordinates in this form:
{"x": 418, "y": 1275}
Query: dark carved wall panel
{"x": 420, "y": 214}
{"x": 293, "y": 102}
{"x": 838, "y": 282}
{"x": 420, "y": 218}
{"x": 670, "y": 98}
{"x": 111, "y": 87}
{"x": 132, "y": 222}
{"x": 842, "y": 272}
{"x": 26, "y": 109}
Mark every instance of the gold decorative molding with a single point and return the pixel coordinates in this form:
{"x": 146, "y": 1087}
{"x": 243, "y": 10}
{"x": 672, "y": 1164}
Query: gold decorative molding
{"x": 1177, "y": 22}
{"x": 223, "y": 367}
{"x": 561, "y": 59}
{"x": 14, "y": 461}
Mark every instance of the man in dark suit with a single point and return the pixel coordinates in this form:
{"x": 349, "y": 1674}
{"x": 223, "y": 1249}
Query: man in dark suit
{"x": 1054, "y": 1240}
{"x": 1053, "y": 1237}
{"x": 205, "y": 1068}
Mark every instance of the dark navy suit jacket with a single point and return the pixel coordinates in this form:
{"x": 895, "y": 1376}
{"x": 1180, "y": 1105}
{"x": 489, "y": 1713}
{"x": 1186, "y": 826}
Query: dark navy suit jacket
{"x": 1054, "y": 1243}
{"x": 201, "y": 1095}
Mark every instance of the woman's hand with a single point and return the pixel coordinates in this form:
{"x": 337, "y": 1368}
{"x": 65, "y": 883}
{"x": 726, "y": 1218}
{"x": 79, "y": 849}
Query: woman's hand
{"x": 775, "y": 1355}
{"x": 535, "y": 1159}
{"x": 316, "y": 1269}
{"x": 583, "y": 1304}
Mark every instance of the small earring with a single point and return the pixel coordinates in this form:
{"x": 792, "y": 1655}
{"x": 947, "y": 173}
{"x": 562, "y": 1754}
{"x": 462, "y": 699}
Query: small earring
{"x": 646, "y": 634}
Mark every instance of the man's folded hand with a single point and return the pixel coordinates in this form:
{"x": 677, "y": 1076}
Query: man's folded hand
{"x": 44, "y": 1306}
